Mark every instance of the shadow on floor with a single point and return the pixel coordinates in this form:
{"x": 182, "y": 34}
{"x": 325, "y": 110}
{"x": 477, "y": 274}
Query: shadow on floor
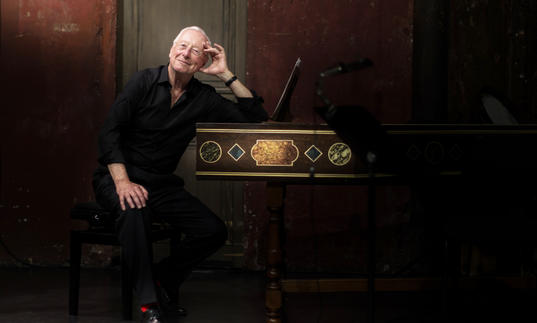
{"x": 232, "y": 296}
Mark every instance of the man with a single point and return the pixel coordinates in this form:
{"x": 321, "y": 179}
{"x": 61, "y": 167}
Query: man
{"x": 148, "y": 128}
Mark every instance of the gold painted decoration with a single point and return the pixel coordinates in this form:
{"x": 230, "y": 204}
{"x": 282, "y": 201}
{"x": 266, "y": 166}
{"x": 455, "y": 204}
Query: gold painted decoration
{"x": 274, "y": 152}
{"x": 210, "y": 152}
{"x": 339, "y": 154}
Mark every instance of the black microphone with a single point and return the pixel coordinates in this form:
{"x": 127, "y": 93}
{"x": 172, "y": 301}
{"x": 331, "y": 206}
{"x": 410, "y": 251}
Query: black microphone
{"x": 342, "y": 68}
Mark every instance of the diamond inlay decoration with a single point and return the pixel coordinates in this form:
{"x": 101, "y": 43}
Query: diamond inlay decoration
{"x": 236, "y": 152}
{"x": 313, "y": 153}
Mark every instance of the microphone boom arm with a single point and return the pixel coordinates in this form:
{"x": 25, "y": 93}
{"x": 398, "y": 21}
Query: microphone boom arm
{"x": 340, "y": 68}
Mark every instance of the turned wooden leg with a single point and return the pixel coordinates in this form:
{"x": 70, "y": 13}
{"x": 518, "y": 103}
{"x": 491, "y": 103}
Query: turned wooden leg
{"x": 273, "y": 294}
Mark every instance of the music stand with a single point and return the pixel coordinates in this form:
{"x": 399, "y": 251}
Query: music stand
{"x": 282, "y": 112}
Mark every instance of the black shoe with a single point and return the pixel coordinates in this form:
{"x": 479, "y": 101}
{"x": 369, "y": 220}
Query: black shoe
{"x": 167, "y": 287}
{"x": 169, "y": 304}
{"x": 152, "y": 315}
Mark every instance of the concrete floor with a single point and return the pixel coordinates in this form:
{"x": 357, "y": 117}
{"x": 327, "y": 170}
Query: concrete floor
{"x": 231, "y": 296}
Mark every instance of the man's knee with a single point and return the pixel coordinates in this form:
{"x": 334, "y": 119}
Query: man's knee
{"x": 131, "y": 224}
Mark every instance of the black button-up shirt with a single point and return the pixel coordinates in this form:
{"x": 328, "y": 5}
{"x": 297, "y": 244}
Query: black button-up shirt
{"x": 143, "y": 131}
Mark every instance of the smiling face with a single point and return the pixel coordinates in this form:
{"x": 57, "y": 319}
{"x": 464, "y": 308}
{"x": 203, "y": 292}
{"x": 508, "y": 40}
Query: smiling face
{"x": 186, "y": 54}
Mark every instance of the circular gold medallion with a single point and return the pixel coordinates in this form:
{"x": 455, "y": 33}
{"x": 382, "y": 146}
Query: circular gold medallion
{"x": 210, "y": 152}
{"x": 339, "y": 154}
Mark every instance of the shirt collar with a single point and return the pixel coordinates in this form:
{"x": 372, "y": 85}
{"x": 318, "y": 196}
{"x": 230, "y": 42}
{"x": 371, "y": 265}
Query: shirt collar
{"x": 164, "y": 79}
{"x": 163, "y": 75}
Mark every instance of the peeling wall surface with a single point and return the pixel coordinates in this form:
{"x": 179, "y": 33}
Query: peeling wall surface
{"x": 323, "y": 34}
{"x": 57, "y": 82}
{"x": 326, "y": 224}
{"x": 58, "y": 62}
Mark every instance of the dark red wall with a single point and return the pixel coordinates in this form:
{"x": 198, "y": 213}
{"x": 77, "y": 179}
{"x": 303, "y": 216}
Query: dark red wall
{"x": 323, "y": 33}
{"x": 58, "y": 70}
{"x": 57, "y": 82}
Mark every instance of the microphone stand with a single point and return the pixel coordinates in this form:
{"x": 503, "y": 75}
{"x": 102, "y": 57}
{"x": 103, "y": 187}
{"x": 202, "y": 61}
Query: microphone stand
{"x": 371, "y": 235}
{"x": 371, "y": 159}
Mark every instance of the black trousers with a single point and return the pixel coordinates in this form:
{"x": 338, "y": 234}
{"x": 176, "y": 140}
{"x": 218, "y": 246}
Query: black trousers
{"x": 201, "y": 230}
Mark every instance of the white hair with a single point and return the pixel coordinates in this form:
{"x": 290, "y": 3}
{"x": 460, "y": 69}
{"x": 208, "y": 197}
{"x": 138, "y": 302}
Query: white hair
{"x": 196, "y": 28}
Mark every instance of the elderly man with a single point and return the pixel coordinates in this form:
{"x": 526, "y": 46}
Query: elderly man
{"x": 148, "y": 129}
